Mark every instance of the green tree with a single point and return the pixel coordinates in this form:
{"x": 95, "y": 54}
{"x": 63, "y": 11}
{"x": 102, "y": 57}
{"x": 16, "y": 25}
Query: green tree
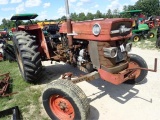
{"x": 115, "y": 13}
{"x": 148, "y": 7}
{"x": 89, "y": 16}
{"x": 81, "y": 16}
{"x": 63, "y": 18}
{"x": 74, "y": 16}
{"x": 109, "y": 14}
{"x": 98, "y": 14}
{"x": 5, "y": 23}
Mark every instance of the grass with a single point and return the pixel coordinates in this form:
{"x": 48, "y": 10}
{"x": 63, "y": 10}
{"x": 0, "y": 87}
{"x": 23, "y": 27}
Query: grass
{"x": 27, "y": 98}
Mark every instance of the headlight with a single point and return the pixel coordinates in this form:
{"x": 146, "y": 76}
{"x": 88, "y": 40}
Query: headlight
{"x": 110, "y": 52}
{"x": 96, "y": 29}
{"x": 128, "y": 47}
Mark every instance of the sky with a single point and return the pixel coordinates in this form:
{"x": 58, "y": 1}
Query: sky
{"x": 53, "y": 9}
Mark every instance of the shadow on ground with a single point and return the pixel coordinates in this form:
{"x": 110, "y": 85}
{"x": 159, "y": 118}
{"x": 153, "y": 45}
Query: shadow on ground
{"x": 53, "y": 72}
{"x": 121, "y": 93}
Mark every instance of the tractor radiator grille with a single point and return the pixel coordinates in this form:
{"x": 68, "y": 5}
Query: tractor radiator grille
{"x": 110, "y": 62}
{"x": 122, "y": 28}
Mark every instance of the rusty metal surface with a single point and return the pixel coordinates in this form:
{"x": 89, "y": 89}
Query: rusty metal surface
{"x": 83, "y": 29}
{"x": 116, "y": 69}
{"x": 105, "y": 75}
{"x": 4, "y": 82}
{"x": 88, "y": 77}
{"x": 67, "y": 75}
{"x": 4, "y": 85}
{"x": 69, "y": 25}
{"x": 152, "y": 70}
{"x": 124, "y": 75}
{"x": 29, "y": 27}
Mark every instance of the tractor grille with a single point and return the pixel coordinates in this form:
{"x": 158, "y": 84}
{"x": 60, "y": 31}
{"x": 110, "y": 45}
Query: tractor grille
{"x": 110, "y": 62}
{"x": 118, "y": 25}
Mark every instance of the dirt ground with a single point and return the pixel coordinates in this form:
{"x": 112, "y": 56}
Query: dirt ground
{"x": 122, "y": 102}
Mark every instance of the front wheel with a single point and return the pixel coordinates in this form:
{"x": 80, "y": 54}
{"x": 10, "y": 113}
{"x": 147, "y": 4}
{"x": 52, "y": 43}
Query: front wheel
{"x": 64, "y": 100}
{"x": 140, "y": 75}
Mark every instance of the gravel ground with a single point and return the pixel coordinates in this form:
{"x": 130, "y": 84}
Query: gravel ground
{"x": 122, "y": 102}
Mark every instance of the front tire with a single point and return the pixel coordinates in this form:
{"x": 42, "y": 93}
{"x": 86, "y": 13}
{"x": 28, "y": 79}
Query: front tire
{"x": 28, "y": 56}
{"x": 137, "y": 61}
{"x": 64, "y": 100}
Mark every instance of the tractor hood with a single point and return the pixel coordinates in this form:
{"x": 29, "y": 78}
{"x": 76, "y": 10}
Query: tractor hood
{"x": 102, "y": 29}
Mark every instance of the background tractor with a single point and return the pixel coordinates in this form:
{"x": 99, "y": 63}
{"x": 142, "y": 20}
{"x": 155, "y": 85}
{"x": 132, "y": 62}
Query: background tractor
{"x": 99, "y": 46}
{"x": 45, "y": 23}
{"x": 141, "y": 26}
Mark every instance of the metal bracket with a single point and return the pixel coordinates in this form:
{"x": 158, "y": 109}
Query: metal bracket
{"x": 4, "y": 85}
{"x": 14, "y": 111}
{"x": 87, "y": 77}
{"x": 152, "y": 70}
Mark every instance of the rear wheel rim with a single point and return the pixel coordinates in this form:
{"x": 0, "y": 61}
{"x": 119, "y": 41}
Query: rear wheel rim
{"x": 61, "y": 107}
{"x": 136, "y": 39}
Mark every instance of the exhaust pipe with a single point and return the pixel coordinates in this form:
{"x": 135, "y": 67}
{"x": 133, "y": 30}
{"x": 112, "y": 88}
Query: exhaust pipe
{"x": 69, "y": 26}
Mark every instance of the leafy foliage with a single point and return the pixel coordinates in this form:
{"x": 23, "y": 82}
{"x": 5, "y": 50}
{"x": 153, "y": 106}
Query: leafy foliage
{"x": 149, "y": 7}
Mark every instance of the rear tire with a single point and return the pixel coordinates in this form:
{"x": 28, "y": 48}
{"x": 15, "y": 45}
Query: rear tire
{"x": 135, "y": 38}
{"x": 64, "y": 100}
{"x": 138, "y": 62}
{"x": 28, "y": 56}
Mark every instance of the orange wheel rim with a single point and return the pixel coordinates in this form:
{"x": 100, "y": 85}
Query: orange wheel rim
{"x": 135, "y": 65}
{"x": 61, "y": 108}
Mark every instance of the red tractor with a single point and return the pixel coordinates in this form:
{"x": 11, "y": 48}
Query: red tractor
{"x": 100, "y": 47}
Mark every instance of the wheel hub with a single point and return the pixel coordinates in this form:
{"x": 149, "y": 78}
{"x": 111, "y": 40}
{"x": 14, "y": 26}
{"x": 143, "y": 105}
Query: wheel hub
{"x": 136, "y": 39}
{"x": 61, "y": 107}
